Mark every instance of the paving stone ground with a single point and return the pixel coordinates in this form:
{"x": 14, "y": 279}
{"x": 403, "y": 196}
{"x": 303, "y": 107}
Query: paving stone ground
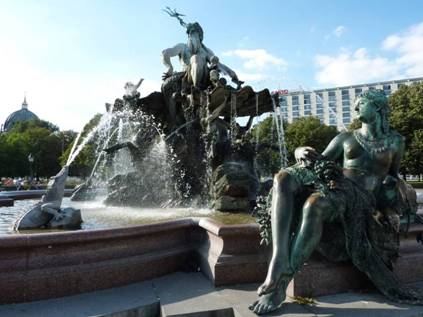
{"x": 191, "y": 294}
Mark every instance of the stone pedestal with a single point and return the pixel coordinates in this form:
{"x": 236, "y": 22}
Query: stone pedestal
{"x": 319, "y": 277}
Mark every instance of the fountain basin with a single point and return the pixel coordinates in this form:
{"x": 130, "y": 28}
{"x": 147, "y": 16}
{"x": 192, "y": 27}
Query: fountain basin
{"x": 6, "y": 202}
{"x": 29, "y": 194}
{"x": 49, "y": 265}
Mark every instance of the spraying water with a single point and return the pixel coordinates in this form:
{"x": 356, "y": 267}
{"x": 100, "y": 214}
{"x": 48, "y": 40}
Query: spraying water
{"x": 278, "y": 120}
{"x": 73, "y": 148}
{"x": 257, "y": 122}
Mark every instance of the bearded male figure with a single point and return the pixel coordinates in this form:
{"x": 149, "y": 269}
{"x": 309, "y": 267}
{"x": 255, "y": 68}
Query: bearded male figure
{"x": 195, "y": 58}
{"x": 361, "y": 198}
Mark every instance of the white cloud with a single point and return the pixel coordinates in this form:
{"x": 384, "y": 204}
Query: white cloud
{"x": 359, "y": 66}
{"x": 339, "y": 30}
{"x": 409, "y": 46}
{"x": 352, "y": 68}
{"x": 257, "y": 59}
{"x": 250, "y": 77}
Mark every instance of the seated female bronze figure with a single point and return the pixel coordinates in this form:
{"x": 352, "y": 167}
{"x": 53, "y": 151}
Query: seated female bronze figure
{"x": 352, "y": 187}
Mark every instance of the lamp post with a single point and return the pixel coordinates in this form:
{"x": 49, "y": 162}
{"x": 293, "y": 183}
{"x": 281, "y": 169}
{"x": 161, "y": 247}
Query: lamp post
{"x": 30, "y": 160}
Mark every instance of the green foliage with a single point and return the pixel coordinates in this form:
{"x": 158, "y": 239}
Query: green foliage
{"x": 416, "y": 184}
{"x": 303, "y": 300}
{"x": 39, "y": 138}
{"x": 25, "y": 125}
{"x": 268, "y": 159}
{"x": 84, "y": 162}
{"x": 308, "y": 131}
{"x": 407, "y": 118}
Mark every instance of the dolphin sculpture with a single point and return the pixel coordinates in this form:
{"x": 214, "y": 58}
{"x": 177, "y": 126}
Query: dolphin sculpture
{"x": 47, "y": 212}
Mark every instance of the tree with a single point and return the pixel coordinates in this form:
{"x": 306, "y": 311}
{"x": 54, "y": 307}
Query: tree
{"x": 85, "y": 160}
{"x": 412, "y": 159}
{"x": 308, "y": 131}
{"x": 407, "y": 118}
{"x": 35, "y": 137}
{"x": 268, "y": 157}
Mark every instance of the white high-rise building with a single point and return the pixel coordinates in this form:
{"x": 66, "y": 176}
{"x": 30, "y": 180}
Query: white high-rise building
{"x": 333, "y": 106}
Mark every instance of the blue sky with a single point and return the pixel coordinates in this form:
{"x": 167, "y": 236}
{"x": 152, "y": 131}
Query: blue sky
{"x": 73, "y": 56}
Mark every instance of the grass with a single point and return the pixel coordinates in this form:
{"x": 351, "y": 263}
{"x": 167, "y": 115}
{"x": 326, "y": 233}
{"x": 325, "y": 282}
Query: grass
{"x": 416, "y": 184}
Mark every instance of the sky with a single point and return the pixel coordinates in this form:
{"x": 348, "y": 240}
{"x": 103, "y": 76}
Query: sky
{"x": 71, "y": 57}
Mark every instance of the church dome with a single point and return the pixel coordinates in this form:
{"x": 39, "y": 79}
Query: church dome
{"x": 18, "y": 116}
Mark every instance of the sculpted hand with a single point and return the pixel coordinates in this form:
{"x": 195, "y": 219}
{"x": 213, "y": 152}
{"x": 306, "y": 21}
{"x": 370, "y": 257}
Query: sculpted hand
{"x": 168, "y": 73}
{"x": 305, "y": 155}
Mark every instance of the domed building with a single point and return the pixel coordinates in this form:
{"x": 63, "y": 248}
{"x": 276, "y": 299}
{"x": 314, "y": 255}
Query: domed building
{"x": 18, "y": 116}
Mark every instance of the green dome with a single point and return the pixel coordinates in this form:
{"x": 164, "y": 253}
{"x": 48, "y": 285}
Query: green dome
{"x": 18, "y": 116}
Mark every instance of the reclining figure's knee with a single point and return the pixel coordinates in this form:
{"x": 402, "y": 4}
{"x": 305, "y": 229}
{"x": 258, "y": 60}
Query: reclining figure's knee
{"x": 283, "y": 180}
{"x": 315, "y": 207}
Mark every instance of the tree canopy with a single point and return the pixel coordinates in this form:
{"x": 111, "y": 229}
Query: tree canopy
{"x": 39, "y": 138}
{"x": 407, "y": 118}
{"x": 307, "y": 131}
{"x": 84, "y": 162}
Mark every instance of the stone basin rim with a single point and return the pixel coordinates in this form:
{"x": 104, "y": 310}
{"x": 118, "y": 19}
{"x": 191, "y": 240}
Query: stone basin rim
{"x": 209, "y": 224}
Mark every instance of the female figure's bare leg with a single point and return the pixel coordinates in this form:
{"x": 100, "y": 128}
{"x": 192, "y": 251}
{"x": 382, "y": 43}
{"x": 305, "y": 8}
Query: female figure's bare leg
{"x": 282, "y": 209}
{"x": 315, "y": 211}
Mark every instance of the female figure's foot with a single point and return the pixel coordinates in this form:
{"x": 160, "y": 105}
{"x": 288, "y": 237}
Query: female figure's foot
{"x": 274, "y": 278}
{"x": 269, "y": 286}
{"x": 273, "y": 300}
{"x": 268, "y": 302}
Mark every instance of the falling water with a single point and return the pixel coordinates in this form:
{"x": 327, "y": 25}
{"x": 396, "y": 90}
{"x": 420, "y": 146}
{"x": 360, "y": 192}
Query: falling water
{"x": 81, "y": 145}
{"x": 102, "y": 127}
{"x": 208, "y": 177}
{"x": 73, "y": 148}
{"x": 331, "y": 112}
{"x": 100, "y": 154}
{"x": 282, "y": 138}
{"x": 233, "y": 124}
{"x": 122, "y": 160}
{"x": 278, "y": 119}
{"x": 257, "y": 126}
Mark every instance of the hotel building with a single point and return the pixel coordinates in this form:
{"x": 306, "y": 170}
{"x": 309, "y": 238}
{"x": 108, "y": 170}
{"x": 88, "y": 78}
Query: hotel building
{"x": 333, "y": 106}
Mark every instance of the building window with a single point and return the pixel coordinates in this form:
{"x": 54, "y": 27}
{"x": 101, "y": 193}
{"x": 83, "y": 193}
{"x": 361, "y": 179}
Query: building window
{"x": 284, "y": 106}
{"x": 345, "y": 94}
{"x": 307, "y": 105}
{"x": 358, "y": 91}
{"x": 387, "y": 90}
{"x": 346, "y": 122}
{"x": 295, "y": 104}
{"x": 319, "y": 106}
{"x": 332, "y": 108}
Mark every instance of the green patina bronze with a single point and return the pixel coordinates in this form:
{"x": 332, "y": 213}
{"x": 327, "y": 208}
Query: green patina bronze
{"x": 346, "y": 203}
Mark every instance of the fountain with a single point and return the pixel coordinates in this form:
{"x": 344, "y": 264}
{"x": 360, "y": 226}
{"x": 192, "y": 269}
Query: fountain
{"x": 183, "y": 146}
